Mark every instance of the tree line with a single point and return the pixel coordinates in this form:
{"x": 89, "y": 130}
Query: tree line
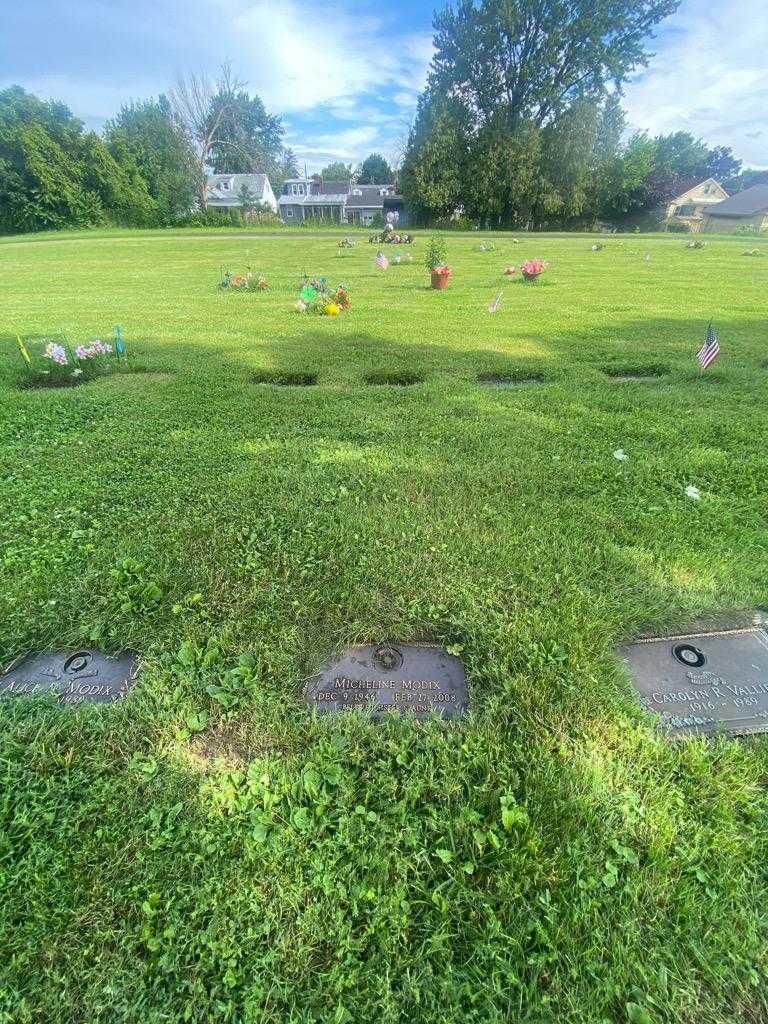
{"x": 147, "y": 168}
{"x": 520, "y": 124}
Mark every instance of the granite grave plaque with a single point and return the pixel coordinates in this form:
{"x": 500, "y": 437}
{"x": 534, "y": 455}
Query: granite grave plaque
{"x": 72, "y": 678}
{"x": 704, "y": 683}
{"x": 420, "y": 679}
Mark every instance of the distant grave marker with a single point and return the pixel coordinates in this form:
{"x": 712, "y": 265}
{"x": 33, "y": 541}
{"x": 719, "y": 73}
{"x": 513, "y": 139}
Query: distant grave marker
{"x": 73, "y": 678}
{"x": 416, "y": 678}
{"x": 704, "y": 683}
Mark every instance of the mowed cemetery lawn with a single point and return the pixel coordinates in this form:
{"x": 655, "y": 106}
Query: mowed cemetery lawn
{"x": 206, "y": 851}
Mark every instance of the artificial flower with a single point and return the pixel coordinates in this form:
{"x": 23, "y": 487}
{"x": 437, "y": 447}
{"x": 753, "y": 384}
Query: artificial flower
{"x": 56, "y": 352}
{"x": 331, "y": 309}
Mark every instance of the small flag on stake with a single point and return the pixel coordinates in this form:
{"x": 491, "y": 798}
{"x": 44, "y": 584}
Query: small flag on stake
{"x": 710, "y": 350}
{"x": 381, "y": 260}
{"x": 494, "y": 305}
{"x": 23, "y": 350}
{"x": 119, "y": 342}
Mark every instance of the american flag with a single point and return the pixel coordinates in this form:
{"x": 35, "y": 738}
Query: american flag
{"x": 381, "y": 260}
{"x": 710, "y": 350}
{"x": 494, "y": 305}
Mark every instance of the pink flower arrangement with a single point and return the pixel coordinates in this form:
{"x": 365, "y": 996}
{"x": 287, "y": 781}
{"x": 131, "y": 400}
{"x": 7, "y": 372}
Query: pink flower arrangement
{"x": 533, "y": 268}
{"x": 96, "y": 348}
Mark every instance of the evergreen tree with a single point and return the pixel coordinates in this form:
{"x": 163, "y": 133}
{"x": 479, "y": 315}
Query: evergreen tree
{"x": 53, "y": 174}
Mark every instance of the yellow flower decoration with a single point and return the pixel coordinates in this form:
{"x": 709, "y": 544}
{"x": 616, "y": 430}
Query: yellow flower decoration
{"x": 331, "y": 309}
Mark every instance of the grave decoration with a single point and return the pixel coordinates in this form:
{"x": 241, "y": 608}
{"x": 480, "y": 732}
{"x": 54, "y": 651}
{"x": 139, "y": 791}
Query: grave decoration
{"x": 77, "y": 677}
{"x": 316, "y": 296}
{"x": 597, "y": 247}
{"x": 704, "y": 683}
{"x": 346, "y": 243}
{"x": 52, "y": 361}
{"x": 434, "y": 259}
{"x": 391, "y": 237}
{"x": 419, "y": 679}
{"x": 487, "y": 247}
{"x": 510, "y": 271}
{"x": 533, "y": 269}
{"x": 697, "y": 243}
{"x": 754, "y": 252}
{"x": 247, "y": 282}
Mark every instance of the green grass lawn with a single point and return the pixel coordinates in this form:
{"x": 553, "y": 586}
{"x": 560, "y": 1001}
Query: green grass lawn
{"x": 204, "y": 851}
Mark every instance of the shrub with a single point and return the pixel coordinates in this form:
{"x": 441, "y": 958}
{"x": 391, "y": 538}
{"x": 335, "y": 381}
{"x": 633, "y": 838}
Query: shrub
{"x": 436, "y": 253}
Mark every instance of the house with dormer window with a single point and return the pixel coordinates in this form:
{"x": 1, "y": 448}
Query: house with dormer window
{"x": 340, "y": 202}
{"x": 225, "y": 191}
{"x": 689, "y": 208}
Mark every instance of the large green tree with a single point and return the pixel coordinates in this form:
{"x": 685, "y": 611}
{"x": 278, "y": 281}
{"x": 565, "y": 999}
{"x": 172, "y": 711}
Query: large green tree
{"x": 145, "y": 133}
{"x": 375, "y": 170}
{"x": 434, "y": 170}
{"x": 248, "y": 140}
{"x": 54, "y": 174}
{"x": 337, "y": 171}
{"x": 529, "y": 60}
{"x": 524, "y": 87}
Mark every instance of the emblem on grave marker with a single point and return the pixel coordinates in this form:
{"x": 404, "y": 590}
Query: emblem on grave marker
{"x": 730, "y": 697}
{"x": 387, "y": 658}
{"x": 80, "y": 677}
{"x": 688, "y": 655}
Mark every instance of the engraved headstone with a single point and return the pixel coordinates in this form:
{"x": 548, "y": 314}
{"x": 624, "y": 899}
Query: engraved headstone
{"x": 417, "y": 678}
{"x": 704, "y": 683}
{"x": 73, "y": 678}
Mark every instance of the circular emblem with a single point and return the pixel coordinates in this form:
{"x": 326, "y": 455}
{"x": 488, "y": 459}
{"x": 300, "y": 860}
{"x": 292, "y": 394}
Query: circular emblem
{"x": 688, "y": 655}
{"x": 387, "y": 658}
{"x": 77, "y": 662}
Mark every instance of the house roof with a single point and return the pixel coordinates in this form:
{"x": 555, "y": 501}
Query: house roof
{"x": 223, "y": 189}
{"x": 313, "y": 200}
{"x": 371, "y": 197}
{"x": 743, "y": 204}
{"x": 332, "y": 188}
{"x": 691, "y": 184}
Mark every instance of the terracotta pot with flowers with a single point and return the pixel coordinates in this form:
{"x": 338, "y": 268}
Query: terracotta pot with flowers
{"x": 434, "y": 259}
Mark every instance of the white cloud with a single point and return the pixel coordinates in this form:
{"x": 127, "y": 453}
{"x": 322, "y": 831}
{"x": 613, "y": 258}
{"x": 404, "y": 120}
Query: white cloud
{"x": 296, "y": 64}
{"x": 709, "y": 77}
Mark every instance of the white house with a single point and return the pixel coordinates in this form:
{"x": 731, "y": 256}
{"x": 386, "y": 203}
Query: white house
{"x": 225, "y": 190}
{"x": 692, "y": 204}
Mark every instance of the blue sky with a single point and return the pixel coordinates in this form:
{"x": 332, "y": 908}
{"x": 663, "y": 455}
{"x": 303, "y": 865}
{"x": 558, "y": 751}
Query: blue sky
{"x": 345, "y": 76}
